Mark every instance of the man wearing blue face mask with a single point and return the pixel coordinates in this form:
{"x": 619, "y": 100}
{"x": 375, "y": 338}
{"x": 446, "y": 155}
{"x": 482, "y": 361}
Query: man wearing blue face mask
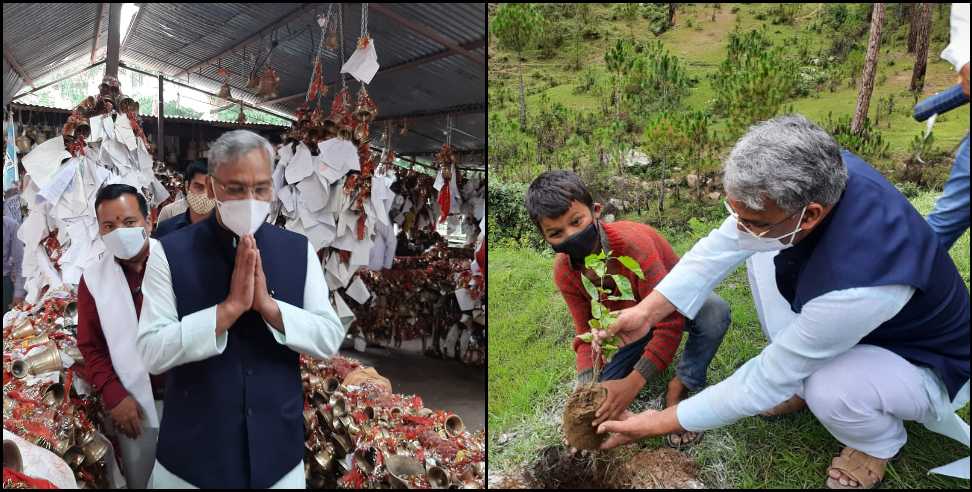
{"x": 109, "y": 305}
{"x": 866, "y": 314}
{"x": 231, "y": 301}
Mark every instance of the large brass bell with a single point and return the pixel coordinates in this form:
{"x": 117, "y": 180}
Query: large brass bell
{"x": 401, "y": 467}
{"x": 438, "y": 477}
{"x": 224, "y": 91}
{"x": 95, "y": 449}
{"x": 11, "y": 456}
{"x": 454, "y": 425}
{"x": 23, "y": 328}
{"x": 39, "y": 363}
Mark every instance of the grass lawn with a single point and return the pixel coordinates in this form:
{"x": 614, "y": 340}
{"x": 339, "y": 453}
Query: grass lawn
{"x": 531, "y": 366}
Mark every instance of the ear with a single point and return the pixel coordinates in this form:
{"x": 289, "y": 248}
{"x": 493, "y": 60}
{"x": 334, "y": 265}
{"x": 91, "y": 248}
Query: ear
{"x": 814, "y": 214}
{"x": 210, "y": 191}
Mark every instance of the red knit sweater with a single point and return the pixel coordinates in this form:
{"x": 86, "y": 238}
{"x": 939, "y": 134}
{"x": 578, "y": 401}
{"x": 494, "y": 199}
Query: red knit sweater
{"x": 656, "y": 257}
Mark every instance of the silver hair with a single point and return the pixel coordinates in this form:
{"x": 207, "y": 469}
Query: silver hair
{"x": 788, "y": 160}
{"x": 231, "y": 145}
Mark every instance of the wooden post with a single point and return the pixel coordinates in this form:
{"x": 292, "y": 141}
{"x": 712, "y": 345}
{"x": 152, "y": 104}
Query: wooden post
{"x": 114, "y": 39}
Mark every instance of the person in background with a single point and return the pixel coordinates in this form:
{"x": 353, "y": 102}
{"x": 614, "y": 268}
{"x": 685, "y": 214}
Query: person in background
{"x": 195, "y": 207}
{"x": 13, "y": 258}
{"x": 950, "y": 219}
{"x": 109, "y": 305}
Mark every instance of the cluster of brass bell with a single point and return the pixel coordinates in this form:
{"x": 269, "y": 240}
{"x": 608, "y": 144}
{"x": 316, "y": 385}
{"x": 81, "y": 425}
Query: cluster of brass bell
{"x": 89, "y": 448}
{"x": 331, "y": 433}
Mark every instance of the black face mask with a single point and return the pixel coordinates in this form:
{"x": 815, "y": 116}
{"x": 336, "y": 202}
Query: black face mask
{"x": 580, "y": 244}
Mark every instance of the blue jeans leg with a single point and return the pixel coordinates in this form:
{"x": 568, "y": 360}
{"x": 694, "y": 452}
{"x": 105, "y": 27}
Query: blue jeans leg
{"x": 950, "y": 219}
{"x": 706, "y": 332}
{"x": 625, "y": 359}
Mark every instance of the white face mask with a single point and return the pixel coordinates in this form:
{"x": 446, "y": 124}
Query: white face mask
{"x": 750, "y": 241}
{"x": 125, "y": 242}
{"x": 243, "y": 216}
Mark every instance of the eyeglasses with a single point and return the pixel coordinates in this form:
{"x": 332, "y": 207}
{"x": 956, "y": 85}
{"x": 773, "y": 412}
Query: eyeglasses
{"x": 743, "y": 222}
{"x": 260, "y": 192}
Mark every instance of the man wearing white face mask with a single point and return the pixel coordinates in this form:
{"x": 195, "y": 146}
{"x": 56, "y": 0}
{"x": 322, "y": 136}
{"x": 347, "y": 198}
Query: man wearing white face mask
{"x": 109, "y": 305}
{"x": 230, "y": 303}
{"x": 195, "y": 207}
{"x": 866, "y": 314}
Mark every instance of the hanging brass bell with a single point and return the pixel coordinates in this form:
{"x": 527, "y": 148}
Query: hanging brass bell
{"x": 224, "y": 91}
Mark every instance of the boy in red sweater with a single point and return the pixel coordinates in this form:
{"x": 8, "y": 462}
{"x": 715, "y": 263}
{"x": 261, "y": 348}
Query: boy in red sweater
{"x": 564, "y": 211}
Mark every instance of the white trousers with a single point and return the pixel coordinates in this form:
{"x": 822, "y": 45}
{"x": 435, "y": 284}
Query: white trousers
{"x": 864, "y": 395}
{"x": 138, "y": 455}
{"x": 164, "y": 479}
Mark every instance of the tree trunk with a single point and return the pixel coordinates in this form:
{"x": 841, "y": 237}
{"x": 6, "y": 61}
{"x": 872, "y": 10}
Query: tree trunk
{"x": 870, "y": 67}
{"x": 913, "y": 30}
{"x": 671, "y": 15}
{"x": 921, "y": 48}
{"x": 522, "y": 101}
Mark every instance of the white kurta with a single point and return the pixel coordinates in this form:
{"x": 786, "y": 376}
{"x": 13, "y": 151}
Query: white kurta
{"x": 800, "y": 344}
{"x": 165, "y": 341}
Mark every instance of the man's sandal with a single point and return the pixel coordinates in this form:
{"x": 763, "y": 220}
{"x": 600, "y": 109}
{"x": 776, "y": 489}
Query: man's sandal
{"x": 864, "y": 469}
{"x": 791, "y": 405}
{"x": 683, "y": 444}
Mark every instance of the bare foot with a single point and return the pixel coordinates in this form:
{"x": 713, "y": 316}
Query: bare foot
{"x": 677, "y": 391}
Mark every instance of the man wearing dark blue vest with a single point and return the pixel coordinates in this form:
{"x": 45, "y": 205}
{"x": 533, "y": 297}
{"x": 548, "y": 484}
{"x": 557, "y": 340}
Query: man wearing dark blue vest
{"x": 866, "y": 314}
{"x": 230, "y": 303}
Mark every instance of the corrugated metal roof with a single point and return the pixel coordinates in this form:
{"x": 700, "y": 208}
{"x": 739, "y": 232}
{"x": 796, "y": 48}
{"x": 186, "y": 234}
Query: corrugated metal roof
{"x": 174, "y": 37}
{"x": 197, "y": 121}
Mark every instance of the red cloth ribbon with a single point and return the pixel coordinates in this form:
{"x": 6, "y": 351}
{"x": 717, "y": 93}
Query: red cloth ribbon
{"x": 445, "y": 201}
{"x": 15, "y": 479}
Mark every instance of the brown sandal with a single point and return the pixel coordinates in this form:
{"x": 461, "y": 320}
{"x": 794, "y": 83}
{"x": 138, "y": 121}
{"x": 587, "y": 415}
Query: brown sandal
{"x": 682, "y": 444}
{"x": 863, "y": 468}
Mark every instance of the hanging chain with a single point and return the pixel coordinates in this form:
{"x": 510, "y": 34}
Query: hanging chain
{"x": 364, "y": 19}
{"x": 449, "y": 130}
{"x": 344, "y": 79}
{"x": 320, "y": 49}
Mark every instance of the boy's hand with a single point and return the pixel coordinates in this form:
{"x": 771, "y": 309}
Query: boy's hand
{"x": 621, "y": 392}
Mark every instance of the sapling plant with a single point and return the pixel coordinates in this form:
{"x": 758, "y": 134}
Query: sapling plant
{"x": 601, "y": 317}
{"x": 584, "y": 402}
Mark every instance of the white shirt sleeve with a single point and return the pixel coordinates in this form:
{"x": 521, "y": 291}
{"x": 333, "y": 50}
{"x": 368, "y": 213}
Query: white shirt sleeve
{"x": 957, "y": 51}
{"x": 703, "y": 267}
{"x": 828, "y": 326}
{"x": 314, "y": 330}
{"x": 164, "y": 340}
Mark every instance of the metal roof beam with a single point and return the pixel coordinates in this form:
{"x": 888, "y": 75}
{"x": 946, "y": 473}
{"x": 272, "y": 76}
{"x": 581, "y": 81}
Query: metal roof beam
{"x": 138, "y": 18}
{"x": 97, "y": 31}
{"x": 247, "y": 41}
{"x": 16, "y": 66}
{"x": 427, "y": 32}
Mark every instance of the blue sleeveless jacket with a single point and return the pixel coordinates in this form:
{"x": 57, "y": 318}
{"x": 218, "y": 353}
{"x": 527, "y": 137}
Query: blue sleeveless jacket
{"x": 234, "y": 420}
{"x": 873, "y": 237}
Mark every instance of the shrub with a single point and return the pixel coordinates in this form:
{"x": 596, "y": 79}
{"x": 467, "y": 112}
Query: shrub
{"x": 868, "y": 143}
{"x": 508, "y": 220}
